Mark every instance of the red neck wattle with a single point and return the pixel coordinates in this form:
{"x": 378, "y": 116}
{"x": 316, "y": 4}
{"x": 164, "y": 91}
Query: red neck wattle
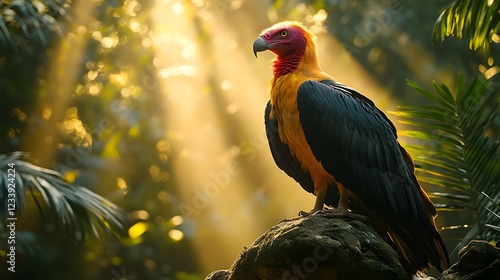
{"x": 285, "y": 65}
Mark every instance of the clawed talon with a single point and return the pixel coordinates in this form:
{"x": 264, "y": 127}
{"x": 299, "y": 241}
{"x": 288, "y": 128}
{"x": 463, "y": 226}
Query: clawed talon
{"x": 304, "y": 214}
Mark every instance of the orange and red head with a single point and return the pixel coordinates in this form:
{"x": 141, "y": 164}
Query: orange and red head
{"x": 290, "y": 41}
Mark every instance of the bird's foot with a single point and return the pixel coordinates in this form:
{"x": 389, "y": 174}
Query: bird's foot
{"x": 303, "y": 214}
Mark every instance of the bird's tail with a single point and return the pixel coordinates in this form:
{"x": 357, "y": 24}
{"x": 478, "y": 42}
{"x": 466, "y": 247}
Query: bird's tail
{"x": 417, "y": 246}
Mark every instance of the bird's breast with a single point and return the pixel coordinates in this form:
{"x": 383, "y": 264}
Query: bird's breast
{"x": 290, "y": 131}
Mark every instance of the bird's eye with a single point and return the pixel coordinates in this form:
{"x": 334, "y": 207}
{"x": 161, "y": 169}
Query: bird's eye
{"x": 283, "y": 33}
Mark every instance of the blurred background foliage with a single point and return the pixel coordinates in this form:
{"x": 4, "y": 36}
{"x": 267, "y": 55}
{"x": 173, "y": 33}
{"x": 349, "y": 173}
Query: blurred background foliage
{"x": 157, "y": 106}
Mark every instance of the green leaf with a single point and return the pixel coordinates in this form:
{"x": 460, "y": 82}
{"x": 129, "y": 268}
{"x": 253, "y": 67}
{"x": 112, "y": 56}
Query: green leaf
{"x": 455, "y": 197}
{"x": 444, "y": 93}
{"x": 430, "y": 96}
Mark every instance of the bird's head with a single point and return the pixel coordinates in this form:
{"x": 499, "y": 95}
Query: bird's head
{"x": 284, "y": 39}
{"x": 290, "y": 41}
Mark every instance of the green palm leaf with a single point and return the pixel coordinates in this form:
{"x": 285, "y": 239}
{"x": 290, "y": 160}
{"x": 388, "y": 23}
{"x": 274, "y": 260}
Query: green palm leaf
{"x": 477, "y": 20}
{"x": 77, "y": 209}
{"x": 455, "y": 153}
{"x": 32, "y": 20}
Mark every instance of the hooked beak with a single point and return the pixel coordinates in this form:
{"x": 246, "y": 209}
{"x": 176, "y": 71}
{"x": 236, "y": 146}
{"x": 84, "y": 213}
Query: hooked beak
{"x": 259, "y": 45}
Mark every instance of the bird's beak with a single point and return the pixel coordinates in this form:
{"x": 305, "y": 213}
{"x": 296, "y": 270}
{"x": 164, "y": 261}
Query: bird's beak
{"x": 259, "y": 45}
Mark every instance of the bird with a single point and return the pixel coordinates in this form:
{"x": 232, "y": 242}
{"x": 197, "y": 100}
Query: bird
{"x": 340, "y": 147}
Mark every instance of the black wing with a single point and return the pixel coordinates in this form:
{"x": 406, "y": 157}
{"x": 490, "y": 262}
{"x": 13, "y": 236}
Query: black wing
{"x": 287, "y": 162}
{"x": 357, "y": 144}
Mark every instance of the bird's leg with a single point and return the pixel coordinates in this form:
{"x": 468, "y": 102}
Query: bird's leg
{"x": 343, "y": 201}
{"x": 342, "y": 210}
{"x": 318, "y": 204}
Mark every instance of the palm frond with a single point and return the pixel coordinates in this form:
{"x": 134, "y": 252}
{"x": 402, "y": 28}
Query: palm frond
{"x": 455, "y": 153}
{"x": 75, "y": 208}
{"x": 477, "y": 20}
{"x": 31, "y": 20}
{"x": 494, "y": 221}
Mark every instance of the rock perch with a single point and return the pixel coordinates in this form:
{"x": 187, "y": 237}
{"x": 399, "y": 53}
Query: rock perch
{"x": 317, "y": 247}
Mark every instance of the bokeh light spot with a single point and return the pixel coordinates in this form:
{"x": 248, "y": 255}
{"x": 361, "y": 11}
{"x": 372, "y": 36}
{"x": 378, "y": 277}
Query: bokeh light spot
{"x": 178, "y": 8}
{"x": 121, "y": 183}
{"x": 175, "y": 234}
{"x": 176, "y": 220}
{"x": 231, "y": 108}
{"x": 225, "y": 85}
{"x": 137, "y": 230}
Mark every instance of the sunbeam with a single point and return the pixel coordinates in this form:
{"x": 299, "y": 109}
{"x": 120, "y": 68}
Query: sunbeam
{"x": 58, "y": 84}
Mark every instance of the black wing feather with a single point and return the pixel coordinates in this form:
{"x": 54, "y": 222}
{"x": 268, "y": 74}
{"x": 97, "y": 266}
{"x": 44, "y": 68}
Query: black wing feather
{"x": 357, "y": 144}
